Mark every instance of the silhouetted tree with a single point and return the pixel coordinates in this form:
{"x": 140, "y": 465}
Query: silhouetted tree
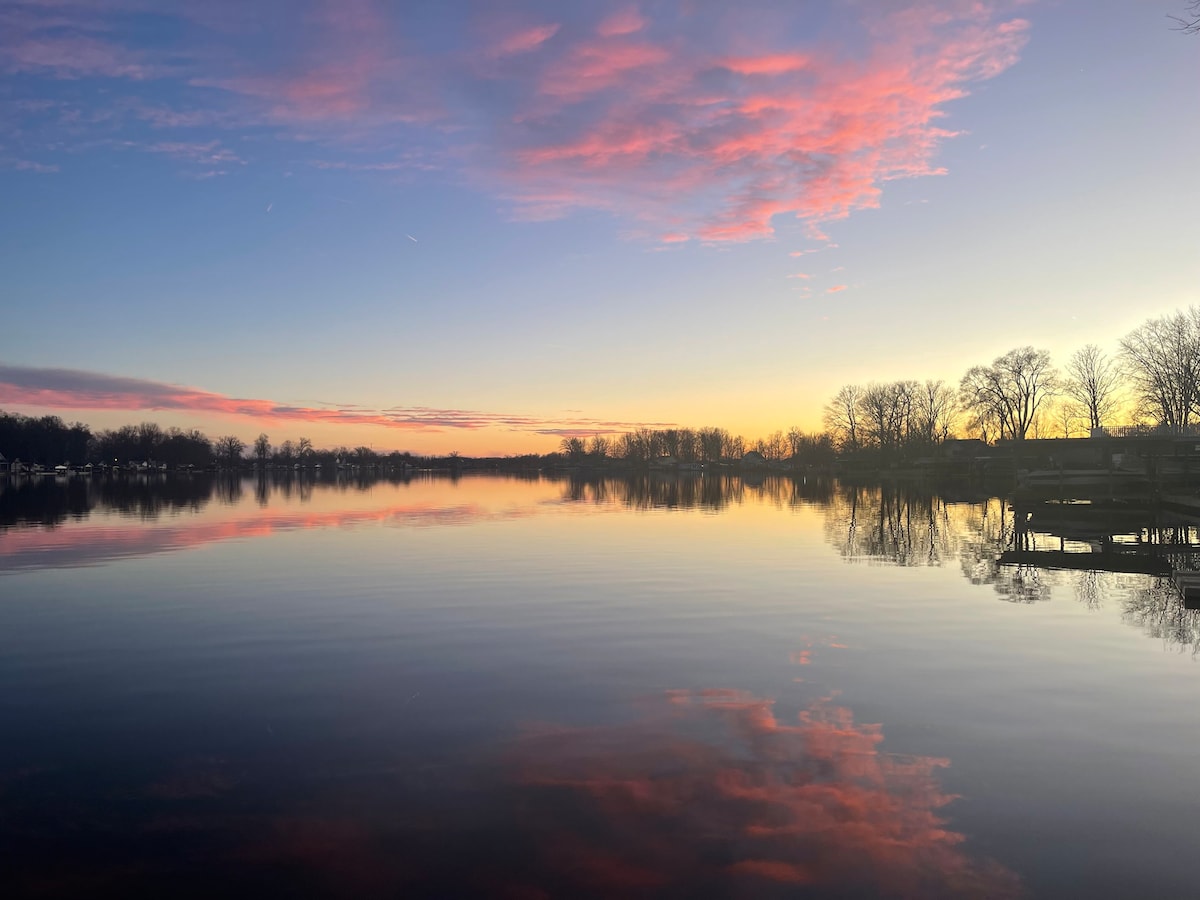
{"x": 1189, "y": 22}
{"x": 1066, "y": 418}
{"x": 574, "y": 448}
{"x": 842, "y": 417}
{"x": 1162, "y": 360}
{"x": 44, "y": 439}
{"x": 262, "y": 447}
{"x": 599, "y": 447}
{"x": 712, "y": 443}
{"x": 934, "y": 411}
{"x": 1011, "y": 391}
{"x": 229, "y": 448}
{"x": 1092, "y": 382}
{"x": 185, "y": 448}
{"x": 885, "y": 414}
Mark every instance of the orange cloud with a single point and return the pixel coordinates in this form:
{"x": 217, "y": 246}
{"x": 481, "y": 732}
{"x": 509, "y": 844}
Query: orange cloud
{"x": 73, "y": 389}
{"x": 837, "y": 288}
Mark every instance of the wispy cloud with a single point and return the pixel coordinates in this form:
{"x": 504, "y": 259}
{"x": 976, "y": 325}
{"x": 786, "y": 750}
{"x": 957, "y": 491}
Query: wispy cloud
{"x": 682, "y": 126}
{"x": 208, "y": 153}
{"x": 624, "y": 21}
{"x": 50, "y": 388}
{"x": 26, "y": 165}
{"x": 837, "y": 289}
{"x": 66, "y": 41}
{"x": 667, "y": 130}
{"x": 524, "y": 40}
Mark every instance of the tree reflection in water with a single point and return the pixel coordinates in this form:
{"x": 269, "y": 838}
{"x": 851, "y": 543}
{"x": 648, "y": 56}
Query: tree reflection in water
{"x": 1158, "y": 610}
{"x": 888, "y": 524}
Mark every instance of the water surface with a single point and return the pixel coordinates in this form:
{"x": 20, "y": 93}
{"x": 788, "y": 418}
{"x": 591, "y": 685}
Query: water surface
{"x": 540, "y": 688}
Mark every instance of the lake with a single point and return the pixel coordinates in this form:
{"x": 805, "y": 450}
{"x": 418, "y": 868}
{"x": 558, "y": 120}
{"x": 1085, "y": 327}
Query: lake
{"x": 538, "y": 687}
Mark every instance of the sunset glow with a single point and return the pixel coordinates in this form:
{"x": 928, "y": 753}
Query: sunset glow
{"x": 488, "y": 228}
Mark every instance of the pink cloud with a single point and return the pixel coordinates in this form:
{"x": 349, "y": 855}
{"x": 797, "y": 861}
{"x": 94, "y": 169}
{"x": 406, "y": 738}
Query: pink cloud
{"x": 361, "y": 75}
{"x": 40, "y": 388}
{"x": 771, "y": 64}
{"x": 674, "y": 237}
{"x": 804, "y": 134}
{"x": 837, "y": 288}
{"x": 592, "y": 66}
{"x": 803, "y": 275}
{"x": 524, "y": 40}
{"x": 684, "y": 126}
{"x": 624, "y": 21}
{"x": 97, "y": 545}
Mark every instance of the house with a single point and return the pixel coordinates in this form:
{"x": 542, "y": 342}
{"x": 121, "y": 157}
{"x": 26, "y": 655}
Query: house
{"x": 754, "y": 460}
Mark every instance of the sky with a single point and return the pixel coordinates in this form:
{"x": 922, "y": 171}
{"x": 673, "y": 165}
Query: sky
{"x": 482, "y": 227}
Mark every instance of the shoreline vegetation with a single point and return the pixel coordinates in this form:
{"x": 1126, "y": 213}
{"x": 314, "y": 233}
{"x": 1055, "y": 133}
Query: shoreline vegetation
{"x": 1020, "y": 416}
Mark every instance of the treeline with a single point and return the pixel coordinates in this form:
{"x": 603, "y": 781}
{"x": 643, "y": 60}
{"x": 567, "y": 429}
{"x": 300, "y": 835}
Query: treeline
{"x": 703, "y": 445}
{"x": 44, "y": 439}
{"x": 1152, "y": 381}
{"x": 48, "y": 441}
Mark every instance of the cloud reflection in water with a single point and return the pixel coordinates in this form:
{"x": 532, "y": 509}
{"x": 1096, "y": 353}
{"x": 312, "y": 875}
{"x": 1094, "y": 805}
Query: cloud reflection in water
{"x": 707, "y": 794}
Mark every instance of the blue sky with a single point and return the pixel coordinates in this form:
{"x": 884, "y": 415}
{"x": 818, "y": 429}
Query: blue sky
{"x": 438, "y": 226}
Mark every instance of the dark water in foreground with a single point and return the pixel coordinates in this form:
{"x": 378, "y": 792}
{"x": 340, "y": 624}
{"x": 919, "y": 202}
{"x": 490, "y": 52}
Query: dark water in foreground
{"x": 517, "y": 688}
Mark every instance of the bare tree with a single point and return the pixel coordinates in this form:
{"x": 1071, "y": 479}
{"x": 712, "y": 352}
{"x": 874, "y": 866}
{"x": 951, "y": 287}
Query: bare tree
{"x": 795, "y": 439}
{"x": 712, "y": 443}
{"x": 262, "y": 447}
{"x": 935, "y": 411}
{"x": 1011, "y": 391}
{"x": 773, "y": 447}
{"x": 1092, "y": 382}
{"x": 885, "y": 414}
{"x": 1066, "y": 417}
{"x": 1189, "y": 22}
{"x": 689, "y": 445}
{"x": 841, "y": 417}
{"x": 574, "y": 448}
{"x": 1162, "y": 359}
{"x": 229, "y": 448}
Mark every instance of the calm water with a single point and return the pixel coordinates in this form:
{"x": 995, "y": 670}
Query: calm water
{"x": 537, "y": 688}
